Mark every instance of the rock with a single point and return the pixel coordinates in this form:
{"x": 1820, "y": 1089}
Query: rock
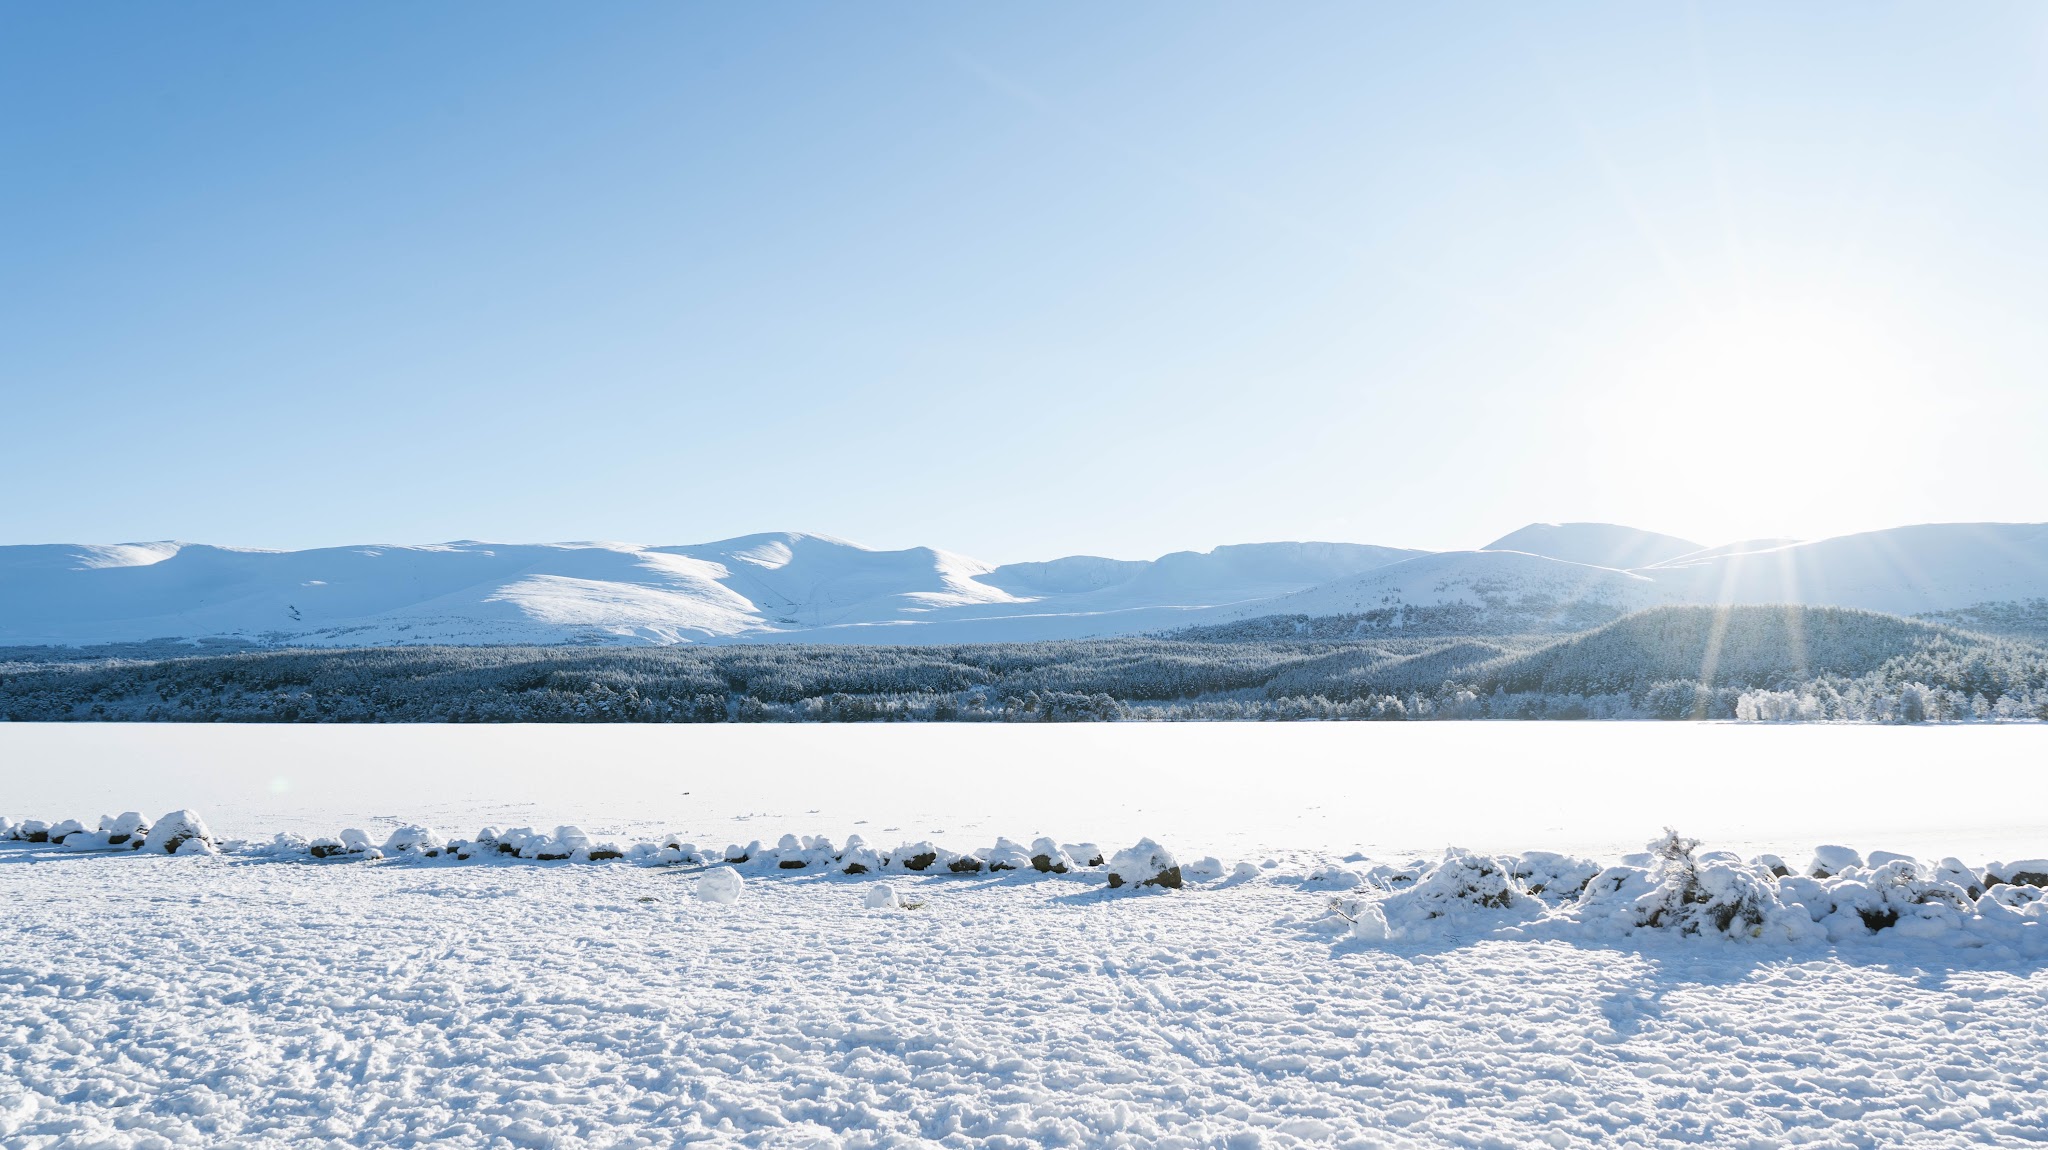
{"x": 123, "y": 827}
{"x": 174, "y": 830}
{"x": 605, "y": 851}
{"x": 33, "y": 831}
{"x": 916, "y": 857}
{"x": 965, "y": 864}
{"x": 1829, "y": 861}
{"x": 1006, "y": 855}
{"x": 1048, "y": 858}
{"x": 414, "y": 840}
{"x": 720, "y": 884}
{"x": 1146, "y": 864}
{"x": 1084, "y": 854}
{"x": 65, "y": 830}
{"x": 321, "y": 848}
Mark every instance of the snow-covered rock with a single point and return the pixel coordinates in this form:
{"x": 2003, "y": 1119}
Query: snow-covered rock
{"x": 882, "y": 896}
{"x": 1832, "y": 860}
{"x": 859, "y": 857}
{"x": 423, "y": 841}
{"x": 1145, "y": 864}
{"x": 174, "y": 830}
{"x": 1048, "y": 857}
{"x": 124, "y": 827}
{"x": 720, "y": 884}
{"x": 1006, "y": 855}
{"x": 65, "y": 829}
{"x": 916, "y": 857}
{"x": 32, "y": 831}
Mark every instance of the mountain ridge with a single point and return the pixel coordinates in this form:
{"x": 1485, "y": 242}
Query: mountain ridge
{"x": 800, "y": 586}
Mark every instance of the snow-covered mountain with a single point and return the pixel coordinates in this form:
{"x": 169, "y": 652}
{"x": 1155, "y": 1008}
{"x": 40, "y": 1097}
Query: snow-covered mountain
{"x": 1902, "y": 570}
{"x": 813, "y": 588}
{"x": 1595, "y": 544}
{"x": 757, "y": 587}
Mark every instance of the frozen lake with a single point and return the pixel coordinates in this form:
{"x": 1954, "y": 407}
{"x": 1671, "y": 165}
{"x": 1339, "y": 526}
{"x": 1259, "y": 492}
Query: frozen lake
{"x": 1385, "y": 789}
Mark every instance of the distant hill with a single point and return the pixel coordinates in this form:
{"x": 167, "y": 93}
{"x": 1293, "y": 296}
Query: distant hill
{"x": 758, "y": 588}
{"x": 1902, "y": 570}
{"x": 789, "y": 587}
{"x": 1765, "y": 648}
{"x": 1595, "y": 544}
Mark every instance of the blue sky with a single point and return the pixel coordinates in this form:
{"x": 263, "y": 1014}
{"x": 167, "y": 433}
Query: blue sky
{"x": 1018, "y": 281}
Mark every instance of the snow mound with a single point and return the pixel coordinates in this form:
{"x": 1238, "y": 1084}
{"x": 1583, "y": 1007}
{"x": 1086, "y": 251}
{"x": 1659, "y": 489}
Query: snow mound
{"x": 721, "y": 885}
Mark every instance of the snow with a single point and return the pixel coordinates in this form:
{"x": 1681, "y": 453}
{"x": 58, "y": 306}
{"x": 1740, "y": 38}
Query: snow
{"x": 171, "y": 1001}
{"x": 784, "y": 585}
{"x": 814, "y": 588}
{"x": 722, "y": 885}
{"x": 1238, "y": 791}
{"x": 1595, "y": 544}
{"x": 1326, "y": 973}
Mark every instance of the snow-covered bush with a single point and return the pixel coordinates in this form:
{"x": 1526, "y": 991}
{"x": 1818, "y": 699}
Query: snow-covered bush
{"x": 1146, "y": 864}
{"x": 720, "y": 884}
{"x": 1554, "y": 876}
{"x": 174, "y": 831}
{"x": 1718, "y": 894}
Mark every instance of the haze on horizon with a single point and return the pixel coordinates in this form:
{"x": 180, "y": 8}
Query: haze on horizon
{"x": 1020, "y": 284}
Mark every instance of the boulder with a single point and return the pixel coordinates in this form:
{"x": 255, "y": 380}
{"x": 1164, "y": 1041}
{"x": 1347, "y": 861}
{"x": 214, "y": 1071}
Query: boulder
{"x": 1146, "y": 864}
{"x": 174, "y": 830}
{"x": 1048, "y": 858}
{"x": 124, "y": 827}
{"x": 1829, "y": 861}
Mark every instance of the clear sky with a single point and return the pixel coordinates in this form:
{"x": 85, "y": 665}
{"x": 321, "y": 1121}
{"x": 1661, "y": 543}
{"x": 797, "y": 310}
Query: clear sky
{"x": 1018, "y": 280}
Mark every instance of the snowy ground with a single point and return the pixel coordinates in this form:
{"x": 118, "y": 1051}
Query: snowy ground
{"x": 209, "y": 1000}
{"x": 153, "y": 1001}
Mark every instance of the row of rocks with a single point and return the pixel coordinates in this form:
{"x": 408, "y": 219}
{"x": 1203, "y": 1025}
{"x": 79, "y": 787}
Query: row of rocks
{"x": 180, "y": 832}
{"x": 1147, "y": 864}
{"x": 1675, "y": 887}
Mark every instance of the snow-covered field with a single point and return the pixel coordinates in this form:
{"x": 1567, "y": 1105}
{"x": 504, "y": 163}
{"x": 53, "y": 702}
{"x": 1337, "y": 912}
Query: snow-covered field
{"x": 1316, "y": 995}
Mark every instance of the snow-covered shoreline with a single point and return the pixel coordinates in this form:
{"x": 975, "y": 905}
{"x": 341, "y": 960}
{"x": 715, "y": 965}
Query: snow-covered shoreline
{"x": 1673, "y": 886}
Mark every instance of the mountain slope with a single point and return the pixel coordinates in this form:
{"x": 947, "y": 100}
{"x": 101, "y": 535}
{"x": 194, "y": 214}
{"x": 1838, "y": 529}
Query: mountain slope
{"x": 1902, "y": 570}
{"x": 1512, "y": 591}
{"x": 753, "y": 588}
{"x": 1595, "y": 544}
